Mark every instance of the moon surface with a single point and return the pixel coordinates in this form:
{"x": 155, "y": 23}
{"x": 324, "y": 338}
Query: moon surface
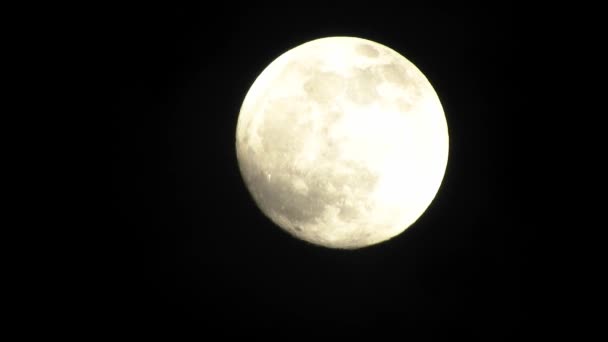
{"x": 342, "y": 142}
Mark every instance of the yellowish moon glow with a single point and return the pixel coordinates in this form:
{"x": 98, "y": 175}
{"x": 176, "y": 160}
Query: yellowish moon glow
{"x": 342, "y": 142}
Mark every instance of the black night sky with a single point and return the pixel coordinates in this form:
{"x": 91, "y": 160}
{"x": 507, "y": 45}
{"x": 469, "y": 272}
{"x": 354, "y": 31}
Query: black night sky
{"x": 189, "y": 246}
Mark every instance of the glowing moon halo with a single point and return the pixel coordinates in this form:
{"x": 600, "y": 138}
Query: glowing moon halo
{"x": 342, "y": 142}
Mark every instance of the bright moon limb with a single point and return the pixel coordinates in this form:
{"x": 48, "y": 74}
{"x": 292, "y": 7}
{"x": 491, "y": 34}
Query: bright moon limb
{"x": 342, "y": 142}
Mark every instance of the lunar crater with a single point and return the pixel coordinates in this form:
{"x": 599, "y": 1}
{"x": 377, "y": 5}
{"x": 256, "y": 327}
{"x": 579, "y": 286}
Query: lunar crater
{"x": 367, "y": 50}
{"x": 362, "y": 86}
{"x": 323, "y": 87}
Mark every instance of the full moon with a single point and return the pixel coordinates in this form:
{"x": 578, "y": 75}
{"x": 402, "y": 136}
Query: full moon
{"x": 342, "y": 142}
